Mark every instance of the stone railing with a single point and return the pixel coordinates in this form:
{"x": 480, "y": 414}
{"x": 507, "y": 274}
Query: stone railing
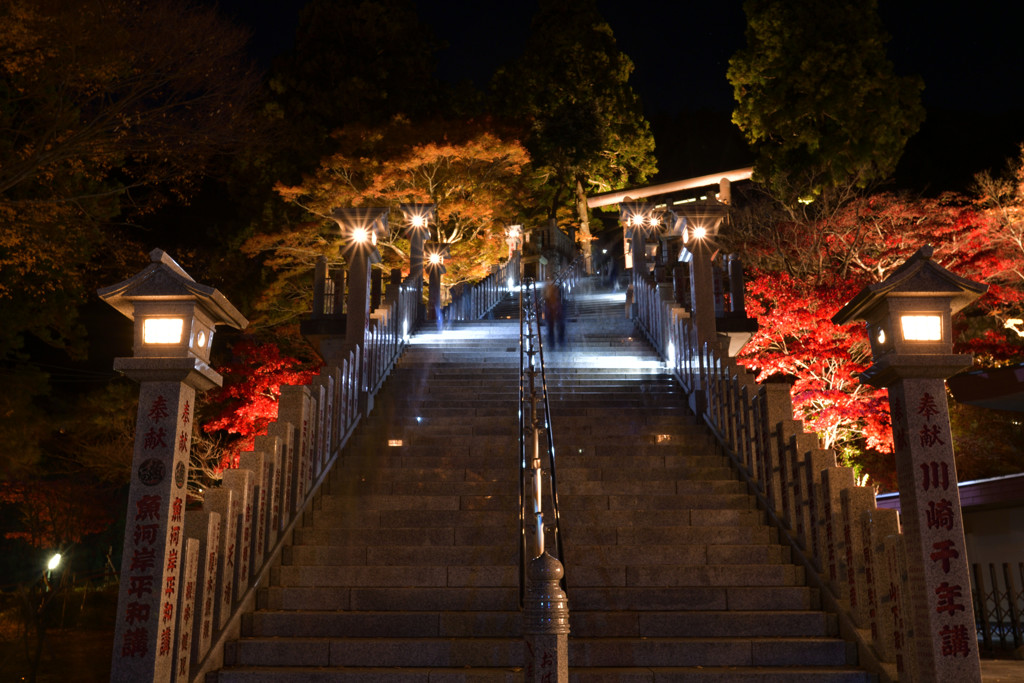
{"x": 231, "y": 543}
{"x": 851, "y": 550}
{"x": 472, "y": 302}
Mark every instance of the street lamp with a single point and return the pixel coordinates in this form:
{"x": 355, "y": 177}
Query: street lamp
{"x": 436, "y": 254}
{"x": 909, "y": 322}
{"x": 53, "y": 562}
{"x": 640, "y": 220}
{"x": 359, "y": 228}
{"x": 174, "y": 320}
{"x": 417, "y": 219}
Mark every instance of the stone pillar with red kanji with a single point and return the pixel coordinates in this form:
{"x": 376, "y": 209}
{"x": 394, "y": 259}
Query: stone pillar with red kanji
{"x": 909, "y": 328}
{"x": 939, "y": 575}
{"x": 145, "y": 633}
{"x": 175, "y": 318}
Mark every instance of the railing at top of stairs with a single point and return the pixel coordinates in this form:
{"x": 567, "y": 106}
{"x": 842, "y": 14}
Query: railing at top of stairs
{"x": 472, "y": 302}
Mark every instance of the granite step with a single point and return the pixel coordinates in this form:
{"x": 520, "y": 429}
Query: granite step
{"x": 407, "y": 567}
{"x": 513, "y": 674}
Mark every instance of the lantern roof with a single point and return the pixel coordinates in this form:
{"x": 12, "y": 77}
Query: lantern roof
{"x": 164, "y": 280}
{"x": 919, "y": 276}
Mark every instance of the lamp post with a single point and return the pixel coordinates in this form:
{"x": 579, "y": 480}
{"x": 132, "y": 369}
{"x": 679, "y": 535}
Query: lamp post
{"x": 417, "y": 218}
{"x": 436, "y": 253}
{"x": 700, "y": 226}
{"x": 514, "y": 239}
{"x": 908, "y": 318}
{"x": 174, "y": 318}
{"x": 359, "y": 227}
{"x": 640, "y": 219}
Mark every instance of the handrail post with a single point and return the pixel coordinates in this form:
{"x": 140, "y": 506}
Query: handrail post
{"x": 546, "y": 623}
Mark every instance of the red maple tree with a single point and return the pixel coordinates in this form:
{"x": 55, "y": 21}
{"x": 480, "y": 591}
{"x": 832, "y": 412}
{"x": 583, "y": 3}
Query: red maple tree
{"x": 248, "y": 401}
{"x": 54, "y": 513}
{"x": 802, "y": 273}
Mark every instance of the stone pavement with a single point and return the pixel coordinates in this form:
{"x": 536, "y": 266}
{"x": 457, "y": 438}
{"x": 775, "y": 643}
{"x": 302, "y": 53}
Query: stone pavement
{"x": 1002, "y": 671}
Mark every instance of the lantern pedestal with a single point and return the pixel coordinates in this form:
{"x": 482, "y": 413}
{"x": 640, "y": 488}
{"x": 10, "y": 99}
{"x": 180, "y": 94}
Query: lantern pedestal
{"x": 945, "y": 638}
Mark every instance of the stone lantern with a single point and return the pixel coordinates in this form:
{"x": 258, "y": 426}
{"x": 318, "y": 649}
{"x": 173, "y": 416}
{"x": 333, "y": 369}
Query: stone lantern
{"x": 909, "y": 320}
{"x": 436, "y": 252}
{"x": 174, "y": 318}
{"x": 360, "y": 227}
{"x": 908, "y": 317}
{"x": 418, "y": 218}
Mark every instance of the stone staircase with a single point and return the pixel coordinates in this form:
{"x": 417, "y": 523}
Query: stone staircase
{"x": 407, "y": 568}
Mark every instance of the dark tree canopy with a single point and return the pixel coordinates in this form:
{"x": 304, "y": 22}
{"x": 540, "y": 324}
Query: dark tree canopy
{"x": 585, "y": 128}
{"x": 109, "y": 108}
{"x": 354, "y": 62}
{"x": 818, "y": 98}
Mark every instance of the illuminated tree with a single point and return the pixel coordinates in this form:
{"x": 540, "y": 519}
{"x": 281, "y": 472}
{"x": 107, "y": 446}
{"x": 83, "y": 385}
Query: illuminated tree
{"x": 803, "y": 273}
{"x": 470, "y": 173}
{"x": 818, "y": 99}
{"x": 248, "y": 401}
{"x": 585, "y": 131}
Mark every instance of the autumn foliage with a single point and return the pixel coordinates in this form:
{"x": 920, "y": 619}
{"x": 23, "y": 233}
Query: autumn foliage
{"x": 248, "y": 400}
{"x": 802, "y": 272}
{"x": 54, "y": 513}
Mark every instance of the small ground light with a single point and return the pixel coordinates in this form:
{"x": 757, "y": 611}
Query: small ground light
{"x": 54, "y": 562}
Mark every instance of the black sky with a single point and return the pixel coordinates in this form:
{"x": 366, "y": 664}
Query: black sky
{"x": 969, "y": 55}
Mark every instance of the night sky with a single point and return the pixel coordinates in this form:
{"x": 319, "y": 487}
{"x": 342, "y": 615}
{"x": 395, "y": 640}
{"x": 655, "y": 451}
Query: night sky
{"x": 969, "y": 55}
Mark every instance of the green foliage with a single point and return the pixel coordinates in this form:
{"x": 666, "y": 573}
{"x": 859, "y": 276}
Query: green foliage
{"x": 585, "y": 129}
{"x": 818, "y": 99}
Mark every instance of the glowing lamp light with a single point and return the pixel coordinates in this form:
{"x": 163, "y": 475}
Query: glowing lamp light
{"x": 360, "y": 235}
{"x": 164, "y": 331}
{"x": 921, "y": 327}
{"x": 54, "y": 562}
{"x": 700, "y": 233}
{"x": 435, "y": 259}
{"x": 909, "y": 320}
{"x": 418, "y": 216}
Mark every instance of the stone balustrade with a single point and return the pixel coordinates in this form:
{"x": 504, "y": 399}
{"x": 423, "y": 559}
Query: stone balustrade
{"x": 851, "y": 550}
{"x": 232, "y": 542}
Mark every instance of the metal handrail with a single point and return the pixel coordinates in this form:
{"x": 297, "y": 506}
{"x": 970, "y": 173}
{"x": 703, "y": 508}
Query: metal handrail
{"x": 531, "y": 423}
